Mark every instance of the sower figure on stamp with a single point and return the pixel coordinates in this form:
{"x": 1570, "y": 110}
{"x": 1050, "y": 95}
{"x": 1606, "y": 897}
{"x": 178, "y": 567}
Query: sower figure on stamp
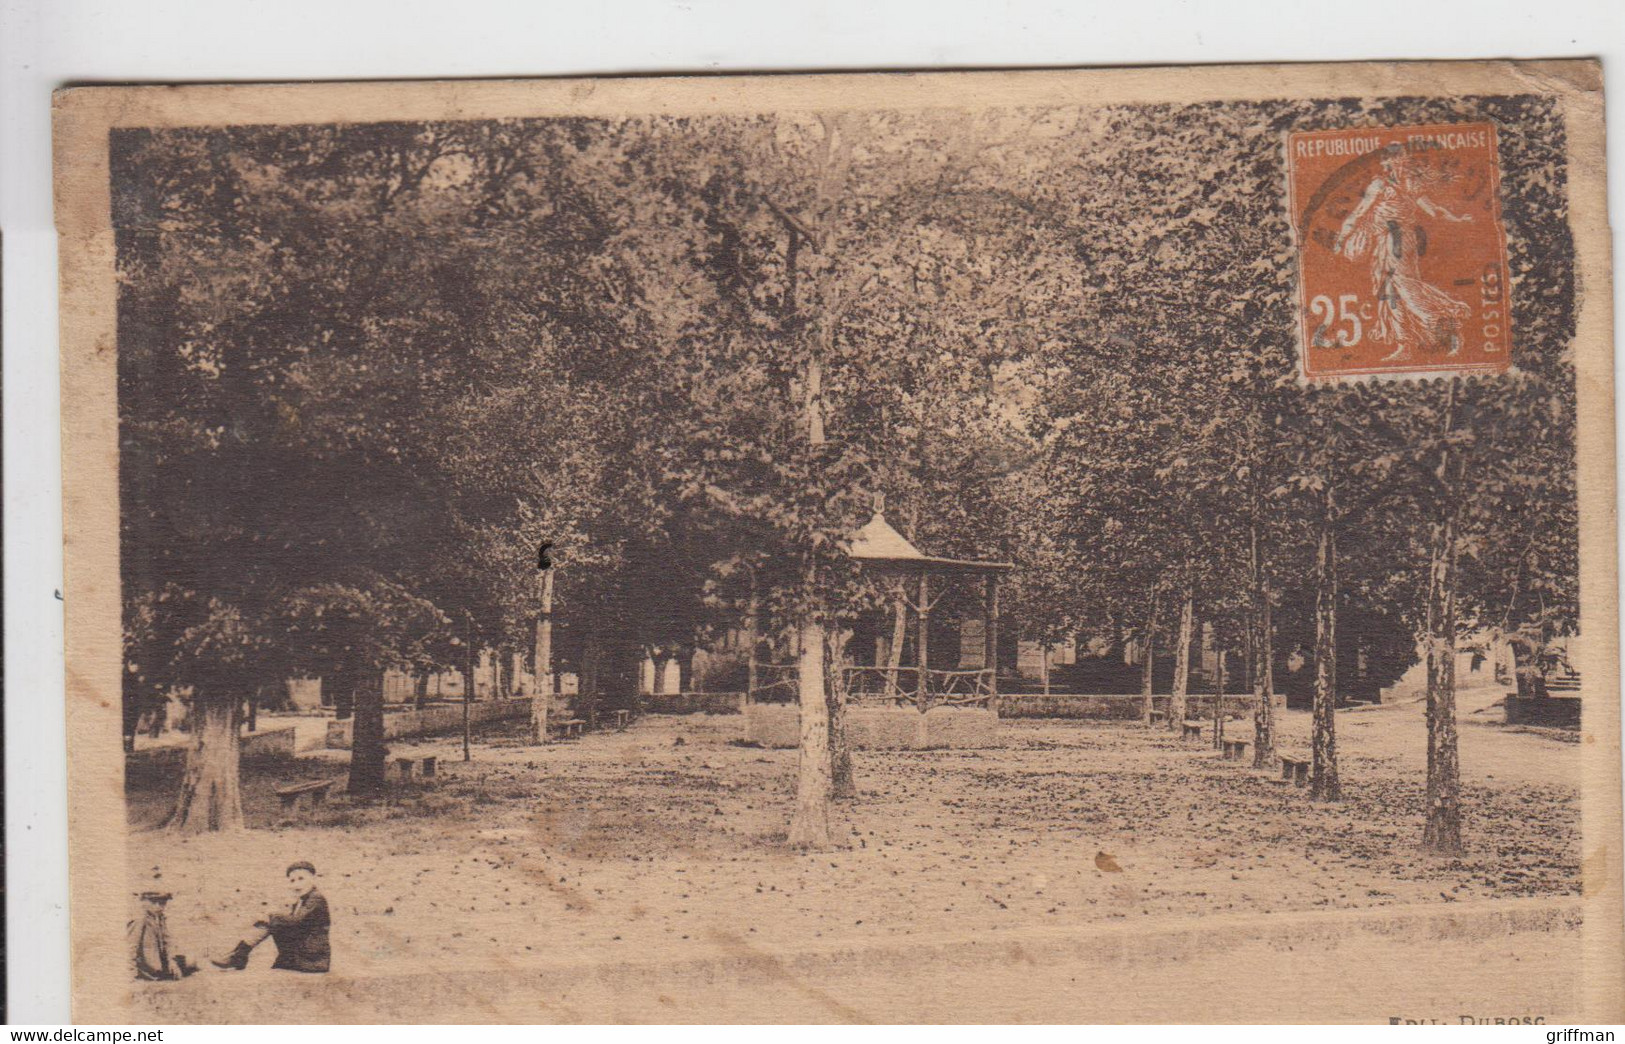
{"x": 300, "y": 934}
{"x": 1386, "y": 229}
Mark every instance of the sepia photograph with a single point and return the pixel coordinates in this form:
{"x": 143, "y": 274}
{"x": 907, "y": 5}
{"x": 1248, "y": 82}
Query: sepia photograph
{"x": 1126, "y": 546}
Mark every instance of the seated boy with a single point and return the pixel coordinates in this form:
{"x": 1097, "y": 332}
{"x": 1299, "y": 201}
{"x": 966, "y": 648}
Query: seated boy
{"x": 300, "y": 934}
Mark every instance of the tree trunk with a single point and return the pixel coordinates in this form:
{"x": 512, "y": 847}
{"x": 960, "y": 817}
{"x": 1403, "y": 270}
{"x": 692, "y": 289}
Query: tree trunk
{"x": 584, "y": 667}
{"x": 1264, "y": 688}
{"x": 420, "y": 690}
{"x": 894, "y": 654}
{"x": 685, "y": 670}
{"x": 1324, "y": 784}
{"x": 211, "y": 798}
{"x": 588, "y": 680}
{"x": 1262, "y": 649}
{"x": 922, "y": 645}
{"x": 809, "y": 826}
{"x": 1218, "y": 705}
{"x": 842, "y": 784}
{"x": 1442, "y": 833}
{"x": 1044, "y": 667}
{"x": 1149, "y": 667}
{"x": 541, "y": 700}
{"x": 468, "y": 697}
{"x": 753, "y": 639}
{"x": 1520, "y": 683}
{"x": 367, "y": 750}
{"x": 990, "y": 642}
{"x": 657, "y": 675}
{"x": 1182, "y": 662}
{"x": 840, "y": 754}
{"x": 1526, "y": 674}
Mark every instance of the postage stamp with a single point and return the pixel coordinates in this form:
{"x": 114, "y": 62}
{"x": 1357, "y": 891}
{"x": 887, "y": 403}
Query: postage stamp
{"x": 1401, "y": 251}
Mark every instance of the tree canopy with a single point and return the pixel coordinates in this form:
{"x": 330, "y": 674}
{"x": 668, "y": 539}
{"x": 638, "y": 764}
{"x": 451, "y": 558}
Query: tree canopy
{"x": 367, "y": 369}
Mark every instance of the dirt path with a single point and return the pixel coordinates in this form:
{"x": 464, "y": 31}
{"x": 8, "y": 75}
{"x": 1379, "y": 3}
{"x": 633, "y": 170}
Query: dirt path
{"x": 669, "y": 839}
{"x": 1507, "y": 961}
{"x": 1395, "y": 735}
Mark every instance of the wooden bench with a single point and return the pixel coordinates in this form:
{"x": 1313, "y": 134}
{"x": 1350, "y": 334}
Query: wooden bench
{"x": 572, "y": 728}
{"x": 1159, "y": 717}
{"x": 1295, "y": 769}
{"x": 1191, "y": 729}
{"x": 302, "y": 797}
{"x": 415, "y": 768}
{"x": 623, "y": 717}
{"x": 1235, "y": 750}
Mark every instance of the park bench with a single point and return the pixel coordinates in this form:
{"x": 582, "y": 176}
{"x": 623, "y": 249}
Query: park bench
{"x": 622, "y": 718}
{"x": 1295, "y": 769}
{"x": 572, "y": 728}
{"x": 1192, "y": 729}
{"x": 302, "y": 797}
{"x": 415, "y": 768}
{"x": 1159, "y": 717}
{"x": 1235, "y": 750}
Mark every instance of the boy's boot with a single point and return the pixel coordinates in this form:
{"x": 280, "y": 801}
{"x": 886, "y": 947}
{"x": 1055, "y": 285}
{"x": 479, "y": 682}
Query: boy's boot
{"x": 236, "y": 960}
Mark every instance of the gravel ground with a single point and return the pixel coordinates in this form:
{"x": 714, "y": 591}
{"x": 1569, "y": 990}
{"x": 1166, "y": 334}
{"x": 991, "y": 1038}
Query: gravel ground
{"x": 669, "y": 839}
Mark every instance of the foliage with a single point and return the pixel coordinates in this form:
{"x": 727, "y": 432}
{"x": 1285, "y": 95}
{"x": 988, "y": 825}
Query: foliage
{"x": 366, "y": 370}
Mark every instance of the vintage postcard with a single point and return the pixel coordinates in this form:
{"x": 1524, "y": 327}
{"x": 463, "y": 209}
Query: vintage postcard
{"x": 1099, "y": 546}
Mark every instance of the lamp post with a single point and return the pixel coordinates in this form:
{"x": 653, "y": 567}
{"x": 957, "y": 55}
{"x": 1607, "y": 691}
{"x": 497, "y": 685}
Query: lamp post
{"x": 542, "y": 698}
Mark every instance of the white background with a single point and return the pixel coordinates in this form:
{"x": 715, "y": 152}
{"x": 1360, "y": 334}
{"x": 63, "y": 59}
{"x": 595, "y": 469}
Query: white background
{"x": 45, "y": 44}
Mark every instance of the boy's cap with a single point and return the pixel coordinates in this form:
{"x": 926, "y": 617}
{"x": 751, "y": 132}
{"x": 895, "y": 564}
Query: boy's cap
{"x": 301, "y": 865}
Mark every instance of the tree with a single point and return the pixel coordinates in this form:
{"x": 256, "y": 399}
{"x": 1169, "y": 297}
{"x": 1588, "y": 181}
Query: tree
{"x": 350, "y": 633}
{"x": 177, "y": 639}
{"x": 265, "y": 453}
{"x": 1324, "y": 782}
{"x": 1260, "y": 648}
{"x": 792, "y": 333}
{"x": 1502, "y": 474}
{"x": 423, "y": 350}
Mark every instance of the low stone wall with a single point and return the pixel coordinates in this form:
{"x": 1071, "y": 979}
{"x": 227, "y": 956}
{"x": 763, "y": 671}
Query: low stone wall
{"x": 693, "y": 703}
{"x": 776, "y": 724}
{"x": 961, "y": 728}
{"x": 266, "y": 743}
{"x": 1561, "y": 712}
{"x": 1109, "y": 707}
{"x": 269, "y": 743}
{"x": 1066, "y": 705}
{"x": 443, "y": 718}
{"x": 881, "y": 728}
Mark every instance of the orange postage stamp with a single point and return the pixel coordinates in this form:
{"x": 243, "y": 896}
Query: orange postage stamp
{"x": 1402, "y": 264}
